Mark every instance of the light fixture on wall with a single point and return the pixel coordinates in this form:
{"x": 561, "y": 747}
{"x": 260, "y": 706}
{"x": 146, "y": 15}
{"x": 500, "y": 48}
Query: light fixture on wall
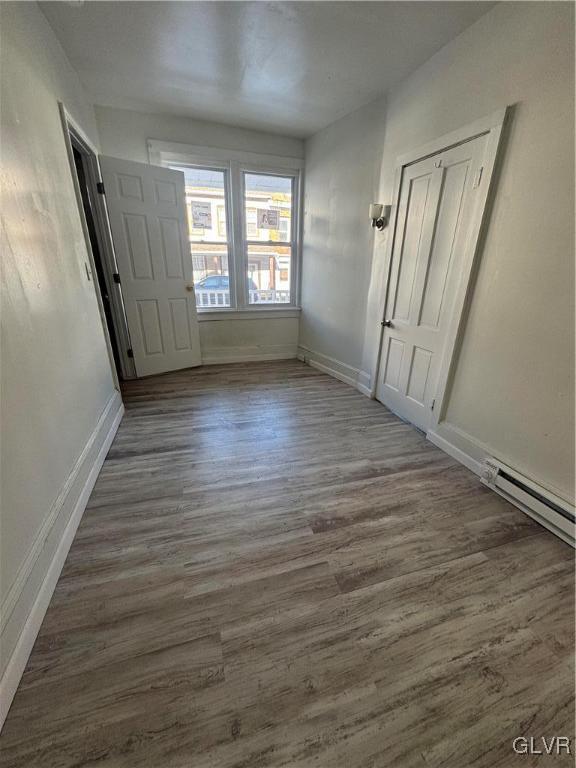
{"x": 378, "y": 215}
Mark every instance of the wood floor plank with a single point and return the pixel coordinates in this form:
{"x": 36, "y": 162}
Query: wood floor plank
{"x": 274, "y": 570}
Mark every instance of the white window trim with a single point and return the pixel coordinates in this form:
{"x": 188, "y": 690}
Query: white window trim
{"x": 161, "y": 152}
{"x": 236, "y": 163}
{"x": 254, "y": 312}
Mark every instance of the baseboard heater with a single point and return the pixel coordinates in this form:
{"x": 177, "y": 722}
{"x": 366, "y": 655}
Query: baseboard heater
{"x": 546, "y": 508}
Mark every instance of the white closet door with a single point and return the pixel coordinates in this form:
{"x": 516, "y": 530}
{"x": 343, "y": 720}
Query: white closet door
{"x": 147, "y": 209}
{"x": 436, "y": 212}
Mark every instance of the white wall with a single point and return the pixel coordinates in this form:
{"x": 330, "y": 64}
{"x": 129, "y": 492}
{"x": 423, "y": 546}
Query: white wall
{"x": 124, "y": 134}
{"x": 342, "y": 174}
{"x": 230, "y": 341}
{"x": 56, "y": 377}
{"x": 513, "y": 391}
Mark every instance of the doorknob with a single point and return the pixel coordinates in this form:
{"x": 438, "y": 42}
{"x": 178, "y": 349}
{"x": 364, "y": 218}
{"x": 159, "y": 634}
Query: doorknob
{"x": 189, "y": 287}
{"x": 387, "y": 323}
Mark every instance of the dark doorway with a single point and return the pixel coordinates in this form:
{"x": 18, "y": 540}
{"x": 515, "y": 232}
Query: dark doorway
{"x": 87, "y": 205}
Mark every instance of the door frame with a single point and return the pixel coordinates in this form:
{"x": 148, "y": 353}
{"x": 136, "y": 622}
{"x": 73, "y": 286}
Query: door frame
{"x": 73, "y": 131}
{"x": 494, "y": 125}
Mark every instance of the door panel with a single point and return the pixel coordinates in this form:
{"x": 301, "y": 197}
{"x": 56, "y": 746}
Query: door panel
{"x": 418, "y": 377}
{"x": 180, "y": 323}
{"x": 130, "y": 187}
{"x": 443, "y": 245}
{"x": 171, "y": 248}
{"x": 166, "y": 192}
{"x": 435, "y": 211}
{"x": 146, "y": 205}
{"x": 418, "y": 191}
{"x": 149, "y": 315}
{"x": 137, "y": 243}
{"x": 395, "y": 353}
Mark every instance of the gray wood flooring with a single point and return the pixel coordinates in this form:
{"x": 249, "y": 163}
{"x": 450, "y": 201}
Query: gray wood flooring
{"x": 274, "y": 570}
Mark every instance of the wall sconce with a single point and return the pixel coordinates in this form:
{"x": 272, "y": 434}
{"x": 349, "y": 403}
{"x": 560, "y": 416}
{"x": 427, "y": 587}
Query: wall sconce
{"x": 378, "y": 215}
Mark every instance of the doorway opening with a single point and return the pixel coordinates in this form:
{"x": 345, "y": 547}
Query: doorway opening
{"x": 102, "y": 268}
{"x": 96, "y": 256}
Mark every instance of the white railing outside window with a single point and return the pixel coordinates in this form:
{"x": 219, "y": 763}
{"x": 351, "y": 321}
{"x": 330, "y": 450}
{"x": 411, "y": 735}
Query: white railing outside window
{"x": 269, "y": 296}
{"x": 206, "y": 299}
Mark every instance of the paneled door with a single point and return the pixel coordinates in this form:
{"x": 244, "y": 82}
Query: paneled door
{"x": 147, "y": 209}
{"x": 439, "y": 202}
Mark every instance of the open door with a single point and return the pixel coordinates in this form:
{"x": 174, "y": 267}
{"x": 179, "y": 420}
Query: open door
{"x": 147, "y": 210}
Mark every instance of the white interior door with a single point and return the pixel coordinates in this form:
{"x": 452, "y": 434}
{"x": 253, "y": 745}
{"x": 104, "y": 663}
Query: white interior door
{"x": 438, "y": 204}
{"x": 147, "y": 209}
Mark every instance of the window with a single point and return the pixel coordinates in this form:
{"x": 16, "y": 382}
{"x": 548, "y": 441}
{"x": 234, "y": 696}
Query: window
{"x": 243, "y": 228}
{"x": 206, "y": 202}
{"x": 268, "y": 202}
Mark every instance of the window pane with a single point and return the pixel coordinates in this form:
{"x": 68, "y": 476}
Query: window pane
{"x": 269, "y": 270}
{"x": 207, "y": 226}
{"x": 211, "y": 280}
{"x": 205, "y": 203}
{"x": 268, "y": 206}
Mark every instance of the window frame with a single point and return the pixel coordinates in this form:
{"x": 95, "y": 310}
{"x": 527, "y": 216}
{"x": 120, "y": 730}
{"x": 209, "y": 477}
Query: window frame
{"x": 236, "y": 164}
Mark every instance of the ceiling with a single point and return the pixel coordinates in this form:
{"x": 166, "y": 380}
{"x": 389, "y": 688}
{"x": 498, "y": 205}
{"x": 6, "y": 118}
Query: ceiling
{"x": 286, "y": 67}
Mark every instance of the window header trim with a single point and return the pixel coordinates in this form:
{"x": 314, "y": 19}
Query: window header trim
{"x": 164, "y": 152}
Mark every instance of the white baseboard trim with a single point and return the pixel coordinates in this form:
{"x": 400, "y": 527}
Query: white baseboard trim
{"x": 460, "y": 446}
{"x": 25, "y": 605}
{"x": 356, "y": 378}
{"x": 473, "y": 454}
{"x": 221, "y": 355}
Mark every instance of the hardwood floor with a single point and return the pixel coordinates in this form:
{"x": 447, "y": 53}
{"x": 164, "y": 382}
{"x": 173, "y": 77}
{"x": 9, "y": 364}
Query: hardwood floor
{"x": 274, "y": 570}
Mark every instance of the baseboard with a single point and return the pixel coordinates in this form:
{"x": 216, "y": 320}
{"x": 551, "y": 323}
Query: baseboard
{"x": 473, "y": 454}
{"x": 356, "y": 378}
{"x": 25, "y": 606}
{"x": 245, "y": 354}
{"x": 460, "y": 446}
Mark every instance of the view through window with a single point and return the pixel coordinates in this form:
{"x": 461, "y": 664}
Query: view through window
{"x": 268, "y": 212}
{"x": 208, "y": 227}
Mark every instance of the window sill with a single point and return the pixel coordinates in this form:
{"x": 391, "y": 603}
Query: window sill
{"x": 277, "y": 313}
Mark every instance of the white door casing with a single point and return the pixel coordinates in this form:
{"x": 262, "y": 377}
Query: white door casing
{"x": 147, "y": 210}
{"x": 441, "y": 200}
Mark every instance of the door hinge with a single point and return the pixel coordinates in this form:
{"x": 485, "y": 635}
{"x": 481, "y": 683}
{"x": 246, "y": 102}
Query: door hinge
{"x": 116, "y": 277}
{"x": 129, "y": 352}
{"x": 100, "y": 187}
{"x": 433, "y": 404}
{"x": 478, "y": 177}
